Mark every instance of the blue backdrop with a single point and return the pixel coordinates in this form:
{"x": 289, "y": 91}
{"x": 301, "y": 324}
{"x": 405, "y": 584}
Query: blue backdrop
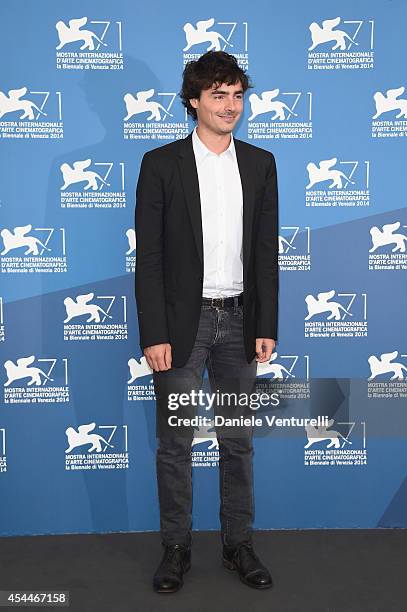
{"x": 87, "y": 88}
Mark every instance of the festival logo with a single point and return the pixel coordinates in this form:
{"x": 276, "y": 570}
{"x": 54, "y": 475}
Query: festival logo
{"x": 131, "y": 251}
{"x": 92, "y": 447}
{"x": 343, "y": 446}
{"x": 389, "y": 120}
{"x": 37, "y": 243}
{"x": 205, "y": 446}
{"x": 294, "y": 249}
{"x": 288, "y": 375}
{"x": 387, "y": 366}
{"x": 388, "y": 247}
{"x": 92, "y": 321}
{"x": 140, "y": 384}
{"x": 387, "y": 376}
{"x": 31, "y": 114}
{"x": 151, "y": 116}
{"x": 276, "y": 114}
{"x": 342, "y": 317}
{"x": 332, "y": 183}
{"x": 88, "y": 184}
{"x": 341, "y": 44}
{"x": 211, "y": 35}
{"x": 85, "y": 44}
{"x": 36, "y": 380}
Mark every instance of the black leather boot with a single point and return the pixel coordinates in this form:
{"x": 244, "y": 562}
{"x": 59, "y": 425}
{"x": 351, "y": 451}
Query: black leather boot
{"x": 175, "y": 562}
{"x": 249, "y": 567}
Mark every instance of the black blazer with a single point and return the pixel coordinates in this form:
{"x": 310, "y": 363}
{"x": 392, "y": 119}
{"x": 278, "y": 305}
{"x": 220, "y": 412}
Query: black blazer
{"x": 169, "y": 260}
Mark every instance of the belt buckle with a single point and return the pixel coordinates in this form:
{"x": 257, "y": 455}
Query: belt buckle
{"x": 214, "y": 303}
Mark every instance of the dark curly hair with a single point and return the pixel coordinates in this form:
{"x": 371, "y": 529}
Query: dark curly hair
{"x": 214, "y": 67}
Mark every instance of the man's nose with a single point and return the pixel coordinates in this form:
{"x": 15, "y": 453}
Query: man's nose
{"x": 230, "y": 104}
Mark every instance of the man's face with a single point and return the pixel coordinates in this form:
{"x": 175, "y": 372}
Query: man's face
{"x": 219, "y": 107}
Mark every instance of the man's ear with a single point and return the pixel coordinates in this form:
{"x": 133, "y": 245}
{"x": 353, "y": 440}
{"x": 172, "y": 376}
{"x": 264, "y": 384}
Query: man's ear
{"x": 194, "y": 102}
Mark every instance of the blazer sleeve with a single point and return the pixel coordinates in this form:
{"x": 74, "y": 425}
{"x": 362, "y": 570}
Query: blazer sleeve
{"x": 149, "y": 281}
{"x": 266, "y": 258}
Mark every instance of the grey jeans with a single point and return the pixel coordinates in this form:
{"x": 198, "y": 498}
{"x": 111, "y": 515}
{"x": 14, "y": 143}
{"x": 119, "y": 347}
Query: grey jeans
{"x": 219, "y": 346}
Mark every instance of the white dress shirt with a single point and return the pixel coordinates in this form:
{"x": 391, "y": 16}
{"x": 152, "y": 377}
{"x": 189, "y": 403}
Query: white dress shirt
{"x": 221, "y": 196}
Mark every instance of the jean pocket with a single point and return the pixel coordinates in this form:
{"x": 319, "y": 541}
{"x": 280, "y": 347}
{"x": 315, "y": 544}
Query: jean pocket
{"x": 238, "y": 312}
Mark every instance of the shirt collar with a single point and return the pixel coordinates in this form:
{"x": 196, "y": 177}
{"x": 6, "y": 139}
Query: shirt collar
{"x": 201, "y": 150}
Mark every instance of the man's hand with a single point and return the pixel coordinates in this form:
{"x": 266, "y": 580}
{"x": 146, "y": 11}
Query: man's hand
{"x": 264, "y": 348}
{"x": 159, "y": 357}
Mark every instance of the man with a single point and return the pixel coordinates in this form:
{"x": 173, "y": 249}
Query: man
{"x": 206, "y": 291}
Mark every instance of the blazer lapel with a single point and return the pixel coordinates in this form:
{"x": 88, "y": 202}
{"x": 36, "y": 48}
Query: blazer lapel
{"x": 247, "y": 173}
{"x": 190, "y": 183}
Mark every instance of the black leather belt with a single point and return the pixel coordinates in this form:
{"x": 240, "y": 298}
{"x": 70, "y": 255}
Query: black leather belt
{"x": 227, "y": 302}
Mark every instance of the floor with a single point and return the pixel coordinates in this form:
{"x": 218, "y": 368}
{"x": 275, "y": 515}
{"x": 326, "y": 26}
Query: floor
{"x": 315, "y": 570}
